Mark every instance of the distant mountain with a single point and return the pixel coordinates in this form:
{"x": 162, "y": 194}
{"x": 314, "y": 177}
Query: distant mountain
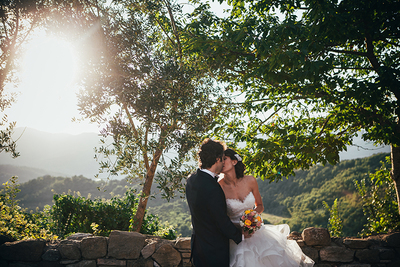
{"x": 24, "y": 173}
{"x": 43, "y": 153}
{"x": 54, "y": 154}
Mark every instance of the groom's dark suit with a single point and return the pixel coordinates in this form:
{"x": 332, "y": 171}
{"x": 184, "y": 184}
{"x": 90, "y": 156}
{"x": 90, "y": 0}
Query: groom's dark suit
{"x": 212, "y": 227}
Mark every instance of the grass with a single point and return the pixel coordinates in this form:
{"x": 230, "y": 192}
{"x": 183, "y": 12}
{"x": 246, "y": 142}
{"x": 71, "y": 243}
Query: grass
{"x": 273, "y": 219}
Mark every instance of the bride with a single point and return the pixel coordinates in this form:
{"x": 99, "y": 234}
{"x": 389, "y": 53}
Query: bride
{"x": 268, "y": 246}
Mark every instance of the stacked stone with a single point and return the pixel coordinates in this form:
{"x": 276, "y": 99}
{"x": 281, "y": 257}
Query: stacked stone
{"x": 130, "y": 249}
{"x": 379, "y": 250}
{"x": 127, "y": 249}
{"x": 183, "y": 245}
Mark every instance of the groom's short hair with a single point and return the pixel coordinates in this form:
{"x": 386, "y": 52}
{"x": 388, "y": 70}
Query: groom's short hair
{"x": 209, "y": 152}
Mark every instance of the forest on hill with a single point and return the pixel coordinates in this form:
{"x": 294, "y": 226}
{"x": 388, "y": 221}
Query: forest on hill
{"x": 298, "y": 199}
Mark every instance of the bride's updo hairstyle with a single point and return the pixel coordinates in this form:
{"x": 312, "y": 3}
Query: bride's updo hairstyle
{"x": 239, "y": 167}
{"x": 209, "y": 152}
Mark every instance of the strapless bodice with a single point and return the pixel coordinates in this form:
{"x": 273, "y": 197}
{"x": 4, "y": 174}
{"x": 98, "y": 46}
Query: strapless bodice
{"x": 236, "y": 207}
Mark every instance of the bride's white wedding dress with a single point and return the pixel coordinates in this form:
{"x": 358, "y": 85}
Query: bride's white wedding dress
{"x": 268, "y": 247}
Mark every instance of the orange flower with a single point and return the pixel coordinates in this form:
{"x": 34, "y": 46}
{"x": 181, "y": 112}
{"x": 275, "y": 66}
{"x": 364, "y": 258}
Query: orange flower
{"x": 247, "y": 222}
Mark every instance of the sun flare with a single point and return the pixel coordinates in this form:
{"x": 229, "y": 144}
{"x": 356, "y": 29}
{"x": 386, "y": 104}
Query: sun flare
{"x": 49, "y": 64}
{"x": 46, "y": 92}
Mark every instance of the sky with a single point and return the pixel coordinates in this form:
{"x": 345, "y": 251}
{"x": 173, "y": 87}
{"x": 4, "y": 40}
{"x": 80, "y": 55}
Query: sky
{"x": 46, "y": 99}
{"x": 46, "y": 95}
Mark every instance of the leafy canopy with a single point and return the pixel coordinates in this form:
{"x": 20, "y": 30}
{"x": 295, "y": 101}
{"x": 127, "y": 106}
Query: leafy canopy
{"x": 310, "y": 79}
{"x": 150, "y": 98}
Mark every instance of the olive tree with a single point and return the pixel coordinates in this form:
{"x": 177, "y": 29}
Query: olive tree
{"x": 149, "y": 96}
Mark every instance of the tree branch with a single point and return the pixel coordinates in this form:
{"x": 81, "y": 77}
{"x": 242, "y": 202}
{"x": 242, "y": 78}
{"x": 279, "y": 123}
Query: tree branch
{"x": 135, "y": 132}
{"x": 174, "y": 28}
{"x": 276, "y": 111}
{"x": 323, "y": 126}
{"x": 354, "y": 68}
{"x": 356, "y": 53}
{"x": 165, "y": 31}
{"x": 370, "y": 53}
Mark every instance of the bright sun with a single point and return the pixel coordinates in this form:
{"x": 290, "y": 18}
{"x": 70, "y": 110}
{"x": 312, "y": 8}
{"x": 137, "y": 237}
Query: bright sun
{"x": 47, "y": 90}
{"x": 49, "y": 64}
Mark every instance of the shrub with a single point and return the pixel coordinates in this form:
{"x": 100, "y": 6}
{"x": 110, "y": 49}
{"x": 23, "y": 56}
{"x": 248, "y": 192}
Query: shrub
{"x": 72, "y": 214}
{"x": 14, "y": 222}
{"x": 335, "y": 225}
{"x": 379, "y": 202}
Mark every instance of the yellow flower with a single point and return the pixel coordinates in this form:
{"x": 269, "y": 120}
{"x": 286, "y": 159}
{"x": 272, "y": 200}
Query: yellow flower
{"x": 247, "y": 222}
{"x": 259, "y": 218}
{"x": 247, "y": 211}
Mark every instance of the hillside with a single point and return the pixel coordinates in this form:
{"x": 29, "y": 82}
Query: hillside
{"x": 24, "y": 173}
{"x": 298, "y": 199}
{"x": 57, "y": 154}
{"x": 39, "y": 192}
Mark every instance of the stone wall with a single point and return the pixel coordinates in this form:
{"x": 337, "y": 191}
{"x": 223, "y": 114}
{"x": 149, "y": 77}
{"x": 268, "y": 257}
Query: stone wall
{"x": 133, "y": 250}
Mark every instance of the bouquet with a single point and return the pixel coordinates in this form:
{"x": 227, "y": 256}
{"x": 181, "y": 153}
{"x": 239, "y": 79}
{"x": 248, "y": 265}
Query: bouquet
{"x": 250, "y": 221}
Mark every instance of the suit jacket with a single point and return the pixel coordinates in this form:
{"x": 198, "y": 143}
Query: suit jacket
{"x": 212, "y": 227}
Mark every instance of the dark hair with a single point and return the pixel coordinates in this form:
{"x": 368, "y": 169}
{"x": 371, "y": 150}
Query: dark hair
{"x": 239, "y": 167}
{"x": 209, "y": 152}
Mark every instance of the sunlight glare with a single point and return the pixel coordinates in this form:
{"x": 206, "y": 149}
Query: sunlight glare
{"x": 46, "y": 96}
{"x": 49, "y": 64}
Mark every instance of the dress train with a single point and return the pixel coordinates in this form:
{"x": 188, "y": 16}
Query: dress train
{"x": 268, "y": 247}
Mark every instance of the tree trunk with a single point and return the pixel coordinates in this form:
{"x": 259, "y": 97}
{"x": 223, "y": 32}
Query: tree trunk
{"x": 139, "y": 216}
{"x": 395, "y": 172}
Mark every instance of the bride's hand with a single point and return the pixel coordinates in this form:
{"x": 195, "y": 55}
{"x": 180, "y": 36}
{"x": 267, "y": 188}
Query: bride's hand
{"x": 247, "y": 235}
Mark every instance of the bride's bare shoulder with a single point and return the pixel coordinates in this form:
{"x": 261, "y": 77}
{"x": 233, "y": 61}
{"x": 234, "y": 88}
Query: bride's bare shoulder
{"x": 249, "y": 178}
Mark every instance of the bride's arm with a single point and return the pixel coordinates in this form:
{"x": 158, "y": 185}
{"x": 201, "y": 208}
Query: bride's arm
{"x": 254, "y": 187}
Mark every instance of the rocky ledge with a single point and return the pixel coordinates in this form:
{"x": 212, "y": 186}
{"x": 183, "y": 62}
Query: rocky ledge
{"x": 130, "y": 249}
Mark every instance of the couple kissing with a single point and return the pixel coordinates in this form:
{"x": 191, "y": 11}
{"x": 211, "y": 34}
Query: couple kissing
{"x": 217, "y": 205}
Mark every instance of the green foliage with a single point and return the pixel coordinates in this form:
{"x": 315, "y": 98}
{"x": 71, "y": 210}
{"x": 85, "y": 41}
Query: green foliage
{"x": 170, "y": 180}
{"x": 152, "y": 226}
{"x": 310, "y": 80}
{"x": 71, "y": 214}
{"x": 7, "y": 144}
{"x": 11, "y": 189}
{"x": 176, "y": 213}
{"x": 150, "y": 98}
{"x": 335, "y": 225}
{"x": 298, "y": 199}
{"x": 39, "y": 192}
{"x": 379, "y": 201}
{"x": 14, "y": 222}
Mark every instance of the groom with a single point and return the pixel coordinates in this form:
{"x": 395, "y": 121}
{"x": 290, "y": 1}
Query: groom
{"x": 212, "y": 227}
